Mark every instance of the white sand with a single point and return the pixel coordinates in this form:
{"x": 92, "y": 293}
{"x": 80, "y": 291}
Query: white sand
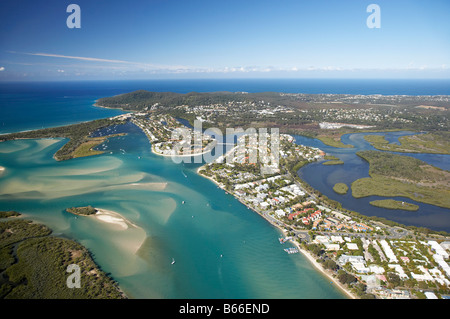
{"x": 324, "y": 272}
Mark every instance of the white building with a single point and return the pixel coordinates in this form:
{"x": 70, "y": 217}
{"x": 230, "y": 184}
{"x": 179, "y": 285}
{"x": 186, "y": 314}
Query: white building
{"x": 442, "y": 263}
{"x": 430, "y": 295}
{"x": 319, "y": 239}
{"x": 388, "y": 251}
{"x": 280, "y": 213}
{"x": 329, "y": 246}
{"x": 376, "y": 269}
{"x": 438, "y": 249}
{"x": 337, "y": 239}
{"x": 399, "y": 270}
{"x": 352, "y": 246}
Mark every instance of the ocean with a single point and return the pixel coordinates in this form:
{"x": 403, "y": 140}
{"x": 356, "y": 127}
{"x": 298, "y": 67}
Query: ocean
{"x": 221, "y": 248}
{"x": 33, "y": 105}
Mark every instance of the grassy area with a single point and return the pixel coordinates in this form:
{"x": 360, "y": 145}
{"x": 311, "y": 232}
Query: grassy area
{"x": 86, "y": 147}
{"x": 420, "y": 143}
{"x": 397, "y": 175}
{"x": 376, "y": 139}
{"x": 33, "y": 265}
{"x": 336, "y": 162}
{"x": 340, "y": 188}
{"x": 394, "y": 204}
{"x": 335, "y": 142}
{"x": 332, "y": 160}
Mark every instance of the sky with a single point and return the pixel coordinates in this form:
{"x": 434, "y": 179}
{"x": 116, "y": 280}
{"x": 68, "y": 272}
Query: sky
{"x": 154, "y": 39}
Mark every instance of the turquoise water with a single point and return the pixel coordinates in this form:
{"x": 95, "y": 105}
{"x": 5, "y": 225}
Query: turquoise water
{"x": 221, "y": 248}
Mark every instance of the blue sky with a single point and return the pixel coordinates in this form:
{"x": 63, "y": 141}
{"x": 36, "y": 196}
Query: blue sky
{"x": 223, "y": 39}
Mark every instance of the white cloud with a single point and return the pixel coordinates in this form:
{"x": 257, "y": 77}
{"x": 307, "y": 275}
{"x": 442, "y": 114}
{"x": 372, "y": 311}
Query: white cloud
{"x": 76, "y": 57}
{"x": 142, "y": 66}
{"x": 2, "y": 68}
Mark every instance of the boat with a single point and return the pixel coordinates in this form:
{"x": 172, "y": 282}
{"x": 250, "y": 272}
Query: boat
{"x": 182, "y": 202}
{"x": 291, "y": 250}
{"x": 173, "y": 261}
{"x": 283, "y": 240}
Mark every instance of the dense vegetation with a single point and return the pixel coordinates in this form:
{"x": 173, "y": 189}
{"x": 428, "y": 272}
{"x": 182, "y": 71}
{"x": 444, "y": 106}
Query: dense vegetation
{"x": 340, "y": 188}
{"x": 86, "y": 210}
{"x": 397, "y": 175}
{"x": 140, "y": 100}
{"x": 402, "y": 167}
{"x": 438, "y": 142}
{"x": 394, "y": 204}
{"x": 76, "y": 133}
{"x": 33, "y": 265}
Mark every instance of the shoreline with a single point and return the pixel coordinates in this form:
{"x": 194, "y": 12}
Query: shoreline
{"x": 110, "y": 217}
{"x": 308, "y": 256}
{"x": 324, "y": 271}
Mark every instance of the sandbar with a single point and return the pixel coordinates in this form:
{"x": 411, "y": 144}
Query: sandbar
{"x": 111, "y": 217}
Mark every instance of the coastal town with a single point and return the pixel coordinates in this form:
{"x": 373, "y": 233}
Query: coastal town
{"x": 365, "y": 258}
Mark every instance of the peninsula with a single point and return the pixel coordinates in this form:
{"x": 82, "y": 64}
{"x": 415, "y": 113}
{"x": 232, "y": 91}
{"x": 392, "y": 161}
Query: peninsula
{"x": 33, "y": 264}
{"x": 398, "y": 175}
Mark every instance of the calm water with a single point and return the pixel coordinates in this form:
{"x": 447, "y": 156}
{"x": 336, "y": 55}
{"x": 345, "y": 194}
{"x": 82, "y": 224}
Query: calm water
{"x": 323, "y": 178}
{"x": 222, "y": 249}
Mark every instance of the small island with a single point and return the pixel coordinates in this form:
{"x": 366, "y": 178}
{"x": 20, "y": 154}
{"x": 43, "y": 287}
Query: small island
{"x": 340, "y": 188}
{"x": 394, "y": 204}
{"x": 103, "y": 215}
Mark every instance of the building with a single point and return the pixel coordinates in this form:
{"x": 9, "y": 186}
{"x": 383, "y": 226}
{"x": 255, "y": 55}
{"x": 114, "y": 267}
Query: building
{"x": 430, "y": 295}
{"x": 438, "y": 249}
{"x": 343, "y": 259}
{"x": 280, "y": 213}
{"x": 388, "y": 251}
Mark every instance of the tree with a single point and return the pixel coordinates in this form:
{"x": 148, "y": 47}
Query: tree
{"x": 346, "y": 278}
{"x": 330, "y": 264}
{"x": 393, "y": 279}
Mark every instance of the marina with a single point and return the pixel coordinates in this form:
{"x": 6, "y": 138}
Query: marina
{"x": 291, "y": 250}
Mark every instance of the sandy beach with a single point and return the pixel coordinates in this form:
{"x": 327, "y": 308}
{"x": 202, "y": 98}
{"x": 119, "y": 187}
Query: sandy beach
{"x": 323, "y": 271}
{"x": 111, "y": 217}
{"x": 308, "y": 256}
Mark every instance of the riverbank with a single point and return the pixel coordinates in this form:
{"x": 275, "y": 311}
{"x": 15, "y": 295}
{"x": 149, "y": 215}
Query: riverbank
{"x": 305, "y": 253}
